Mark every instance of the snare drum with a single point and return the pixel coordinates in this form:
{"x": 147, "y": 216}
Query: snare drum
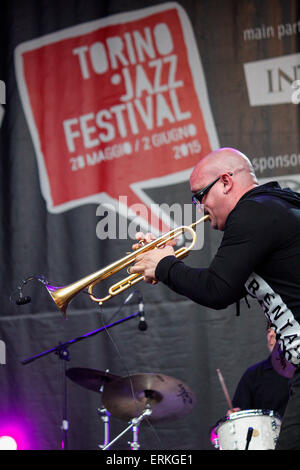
{"x": 232, "y": 432}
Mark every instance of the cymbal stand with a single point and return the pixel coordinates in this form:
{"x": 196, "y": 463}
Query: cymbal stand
{"x": 134, "y": 423}
{"x": 134, "y": 444}
{"x": 105, "y": 417}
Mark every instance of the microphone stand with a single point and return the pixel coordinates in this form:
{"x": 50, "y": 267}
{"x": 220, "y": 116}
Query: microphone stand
{"x": 61, "y": 346}
{"x": 62, "y": 351}
{"x": 64, "y": 355}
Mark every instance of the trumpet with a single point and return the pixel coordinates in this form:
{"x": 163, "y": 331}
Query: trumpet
{"x": 62, "y": 296}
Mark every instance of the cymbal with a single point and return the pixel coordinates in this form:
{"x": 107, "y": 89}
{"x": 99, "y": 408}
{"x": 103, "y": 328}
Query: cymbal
{"x": 280, "y": 364}
{"x": 91, "y": 379}
{"x": 169, "y": 398}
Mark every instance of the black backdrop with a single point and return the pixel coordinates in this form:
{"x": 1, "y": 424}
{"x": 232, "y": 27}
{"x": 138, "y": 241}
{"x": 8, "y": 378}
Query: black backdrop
{"x": 183, "y": 340}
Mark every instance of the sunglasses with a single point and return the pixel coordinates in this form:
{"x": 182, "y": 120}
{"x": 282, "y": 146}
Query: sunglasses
{"x": 198, "y": 197}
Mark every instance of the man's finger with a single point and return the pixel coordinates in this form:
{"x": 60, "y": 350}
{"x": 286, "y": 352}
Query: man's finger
{"x": 136, "y": 269}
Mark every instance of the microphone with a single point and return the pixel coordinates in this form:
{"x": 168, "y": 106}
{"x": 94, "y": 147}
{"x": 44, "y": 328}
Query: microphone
{"x": 142, "y": 324}
{"x": 23, "y": 300}
{"x": 249, "y": 437}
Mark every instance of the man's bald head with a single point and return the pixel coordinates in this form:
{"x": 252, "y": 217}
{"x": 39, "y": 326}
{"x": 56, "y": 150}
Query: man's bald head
{"x": 233, "y": 175}
{"x": 225, "y": 160}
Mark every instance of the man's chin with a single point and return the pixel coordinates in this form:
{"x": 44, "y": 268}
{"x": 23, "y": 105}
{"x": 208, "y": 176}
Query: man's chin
{"x": 213, "y": 223}
{"x": 215, "y": 226}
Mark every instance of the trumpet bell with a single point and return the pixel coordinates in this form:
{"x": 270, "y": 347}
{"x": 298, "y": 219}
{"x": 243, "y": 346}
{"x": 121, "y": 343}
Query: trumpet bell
{"x": 61, "y": 298}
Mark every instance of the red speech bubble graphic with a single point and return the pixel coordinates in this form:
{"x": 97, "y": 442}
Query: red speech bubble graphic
{"x": 115, "y": 106}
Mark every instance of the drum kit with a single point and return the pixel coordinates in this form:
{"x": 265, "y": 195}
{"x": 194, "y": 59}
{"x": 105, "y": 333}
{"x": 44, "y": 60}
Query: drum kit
{"x": 151, "y": 396}
{"x": 251, "y": 429}
{"x": 247, "y": 430}
{"x": 157, "y": 397}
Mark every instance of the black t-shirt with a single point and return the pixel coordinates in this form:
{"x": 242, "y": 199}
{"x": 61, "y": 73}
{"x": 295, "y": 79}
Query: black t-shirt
{"x": 262, "y": 388}
{"x": 259, "y": 255}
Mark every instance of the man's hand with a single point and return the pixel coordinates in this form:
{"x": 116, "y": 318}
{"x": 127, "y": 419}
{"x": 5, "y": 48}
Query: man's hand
{"x": 234, "y": 410}
{"x": 142, "y": 240}
{"x": 146, "y": 263}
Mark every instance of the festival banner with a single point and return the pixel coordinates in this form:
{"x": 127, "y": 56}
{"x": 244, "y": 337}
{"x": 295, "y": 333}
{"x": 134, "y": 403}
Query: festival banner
{"x": 114, "y": 107}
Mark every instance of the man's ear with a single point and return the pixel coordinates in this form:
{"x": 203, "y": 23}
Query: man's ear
{"x": 226, "y": 179}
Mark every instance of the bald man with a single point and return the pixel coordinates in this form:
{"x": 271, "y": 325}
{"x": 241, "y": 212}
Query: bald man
{"x": 259, "y": 255}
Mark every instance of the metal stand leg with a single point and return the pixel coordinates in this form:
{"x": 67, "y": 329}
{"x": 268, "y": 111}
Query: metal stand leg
{"x": 105, "y": 415}
{"x": 133, "y": 423}
{"x": 134, "y": 445}
{"x": 64, "y": 355}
